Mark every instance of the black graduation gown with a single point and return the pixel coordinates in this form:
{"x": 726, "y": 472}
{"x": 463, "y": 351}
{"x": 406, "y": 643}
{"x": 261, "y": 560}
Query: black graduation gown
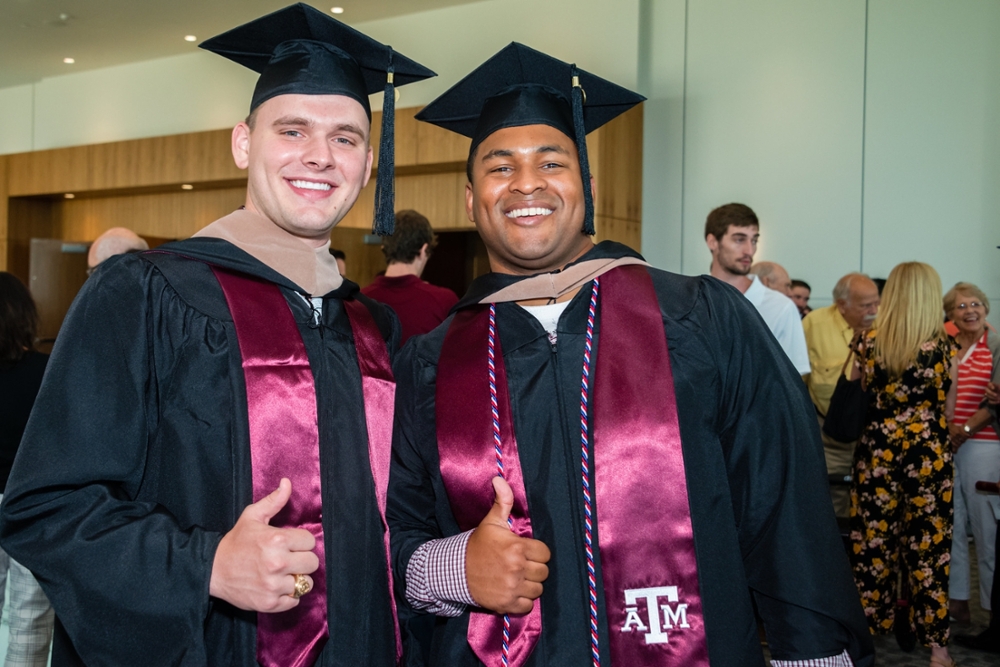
{"x": 136, "y": 461}
{"x": 765, "y": 533}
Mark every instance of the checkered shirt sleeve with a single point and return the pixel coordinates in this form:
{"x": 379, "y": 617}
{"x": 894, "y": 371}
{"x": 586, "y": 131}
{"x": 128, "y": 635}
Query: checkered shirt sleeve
{"x": 435, "y": 577}
{"x": 842, "y": 660}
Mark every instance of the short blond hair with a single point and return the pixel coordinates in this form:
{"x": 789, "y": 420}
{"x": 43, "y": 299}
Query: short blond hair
{"x": 951, "y": 298}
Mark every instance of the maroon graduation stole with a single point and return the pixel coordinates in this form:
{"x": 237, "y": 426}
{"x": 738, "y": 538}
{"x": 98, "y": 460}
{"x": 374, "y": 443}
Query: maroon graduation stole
{"x": 646, "y": 545}
{"x": 284, "y": 442}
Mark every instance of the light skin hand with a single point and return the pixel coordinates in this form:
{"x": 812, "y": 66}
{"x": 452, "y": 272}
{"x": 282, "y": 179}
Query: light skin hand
{"x": 504, "y": 572}
{"x": 255, "y": 563}
{"x": 993, "y": 393}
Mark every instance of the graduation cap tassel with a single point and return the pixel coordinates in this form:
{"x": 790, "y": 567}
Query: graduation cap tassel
{"x": 579, "y": 99}
{"x": 385, "y": 211}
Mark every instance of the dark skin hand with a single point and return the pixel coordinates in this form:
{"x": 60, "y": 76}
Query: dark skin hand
{"x": 504, "y": 572}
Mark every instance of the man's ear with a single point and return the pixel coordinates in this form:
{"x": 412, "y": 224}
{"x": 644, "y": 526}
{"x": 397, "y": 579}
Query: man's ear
{"x": 241, "y": 145}
{"x": 368, "y": 166}
{"x": 468, "y": 202}
{"x": 713, "y": 243}
{"x": 593, "y": 189}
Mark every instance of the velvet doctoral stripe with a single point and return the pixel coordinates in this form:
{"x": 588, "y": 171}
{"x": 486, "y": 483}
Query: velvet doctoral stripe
{"x": 379, "y": 390}
{"x": 284, "y": 442}
{"x": 646, "y": 541}
{"x": 468, "y": 465}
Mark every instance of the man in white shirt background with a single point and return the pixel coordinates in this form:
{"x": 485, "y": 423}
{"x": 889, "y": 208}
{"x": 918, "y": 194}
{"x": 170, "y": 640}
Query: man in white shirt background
{"x": 731, "y": 233}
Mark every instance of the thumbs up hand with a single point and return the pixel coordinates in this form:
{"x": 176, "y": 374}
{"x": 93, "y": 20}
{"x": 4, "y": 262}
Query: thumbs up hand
{"x": 255, "y": 563}
{"x": 504, "y": 572}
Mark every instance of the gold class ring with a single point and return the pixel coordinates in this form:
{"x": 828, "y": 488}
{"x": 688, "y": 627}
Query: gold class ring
{"x": 302, "y": 586}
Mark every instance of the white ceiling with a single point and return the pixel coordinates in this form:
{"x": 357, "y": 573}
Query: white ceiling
{"x": 35, "y": 35}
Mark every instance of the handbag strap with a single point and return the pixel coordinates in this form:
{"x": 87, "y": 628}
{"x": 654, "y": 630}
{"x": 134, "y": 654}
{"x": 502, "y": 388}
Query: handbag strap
{"x": 850, "y": 354}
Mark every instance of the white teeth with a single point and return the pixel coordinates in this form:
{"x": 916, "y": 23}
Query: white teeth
{"x": 311, "y": 185}
{"x": 527, "y": 212}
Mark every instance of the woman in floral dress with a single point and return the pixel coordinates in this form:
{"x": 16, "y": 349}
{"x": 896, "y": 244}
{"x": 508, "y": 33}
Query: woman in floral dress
{"x": 901, "y": 497}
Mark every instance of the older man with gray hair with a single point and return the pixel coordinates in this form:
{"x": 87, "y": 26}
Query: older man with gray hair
{"x": 828, "y": 336}
{"x": 773, "y": 275}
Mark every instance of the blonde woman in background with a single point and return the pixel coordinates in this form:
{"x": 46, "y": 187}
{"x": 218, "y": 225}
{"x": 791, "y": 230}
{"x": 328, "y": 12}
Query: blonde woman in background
{"x": 901, "y": 496}
{"x": 976, "y": 445}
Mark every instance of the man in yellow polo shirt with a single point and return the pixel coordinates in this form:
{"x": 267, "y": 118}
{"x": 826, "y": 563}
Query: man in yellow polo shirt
{"x": 828, "y": 336}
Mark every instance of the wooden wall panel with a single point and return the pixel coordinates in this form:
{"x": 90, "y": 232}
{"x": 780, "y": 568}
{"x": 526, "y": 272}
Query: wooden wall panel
{"x": 134, "y": 184}
{"x": 440, "y": 197}
{"x": 170, "y": 215}
{"x": 615, "y": 152}
{"x": 439, "y": 146}
{"x": 628, "y": 232}
{"x": 199, "y": 157}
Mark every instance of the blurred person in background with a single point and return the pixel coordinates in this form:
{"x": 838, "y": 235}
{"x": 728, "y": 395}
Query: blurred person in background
{"x": 115, "y": 241}
{"x": 829, "y": 332}
{"x": 901, "y": 495}
{"x": 773, "y": 275}
{"x": 976, "y": 446}
{"x": 989, "y": 639}
{"x": 731, "y": 234}
{"x": 21, "y": 368}
{"x": 419, "y": 305}
{"x": 800, "y": 295}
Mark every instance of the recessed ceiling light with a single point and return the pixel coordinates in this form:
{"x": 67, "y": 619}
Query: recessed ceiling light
{"x": 69, "y": 195}
{"x": 187, "y": 186}
{"x": 69, "y": 61}
{"x": 337, "y": 10}
{"x": 190, "y": 38}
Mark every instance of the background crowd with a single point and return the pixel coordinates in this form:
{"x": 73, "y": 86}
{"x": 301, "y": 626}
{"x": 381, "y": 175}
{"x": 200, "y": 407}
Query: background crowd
{"x": 906, "y": 488}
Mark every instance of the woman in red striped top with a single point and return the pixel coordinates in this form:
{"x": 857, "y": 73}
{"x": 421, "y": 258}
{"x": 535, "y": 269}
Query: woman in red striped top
{"x": 977, "y": 447}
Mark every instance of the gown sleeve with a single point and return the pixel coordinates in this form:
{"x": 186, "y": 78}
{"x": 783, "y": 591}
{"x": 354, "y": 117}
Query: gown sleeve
{"x": 128, "y": 583}
{"x": 795, "y": 562}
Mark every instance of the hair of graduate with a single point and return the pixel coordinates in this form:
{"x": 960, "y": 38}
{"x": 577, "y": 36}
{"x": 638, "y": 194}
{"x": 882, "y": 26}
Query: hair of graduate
{"x": 18, "y": 319}
{"x": 730, "y": 215}
{"x": 338, "y": 254}
{"x": 951, "y": 298}
{"x": 252, "y": 118}
{"x": 469, "y": 163}
{"x": 801, "y": 283}
{"x": 909, "y": 315}
{"x": 842, "y": 290}
{"x": 413, "y": 230}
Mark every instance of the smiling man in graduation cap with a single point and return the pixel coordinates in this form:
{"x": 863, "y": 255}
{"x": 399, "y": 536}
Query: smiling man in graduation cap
{"x": 597, "y": 462}
{"x": 204, "y": 479}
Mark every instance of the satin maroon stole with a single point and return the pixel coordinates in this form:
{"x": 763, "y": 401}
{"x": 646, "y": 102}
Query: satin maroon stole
{"x": 648, "y": 565}
{"x": 284, "y": 441}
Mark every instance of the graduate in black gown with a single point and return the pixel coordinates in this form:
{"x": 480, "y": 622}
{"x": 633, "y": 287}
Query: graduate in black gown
{"x": 764, "y": 535}
{"x": 134, "y": 496}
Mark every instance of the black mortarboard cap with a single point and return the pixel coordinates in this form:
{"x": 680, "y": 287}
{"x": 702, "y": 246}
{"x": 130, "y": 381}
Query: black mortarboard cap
{"x": 521, "y": 86}
{"x": 300, "y": 50}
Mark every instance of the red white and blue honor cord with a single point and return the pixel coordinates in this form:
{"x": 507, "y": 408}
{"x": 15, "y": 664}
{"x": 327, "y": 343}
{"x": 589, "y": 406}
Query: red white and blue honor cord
{"x": 498, "y": 450}
{"x": 588, "y": 527}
